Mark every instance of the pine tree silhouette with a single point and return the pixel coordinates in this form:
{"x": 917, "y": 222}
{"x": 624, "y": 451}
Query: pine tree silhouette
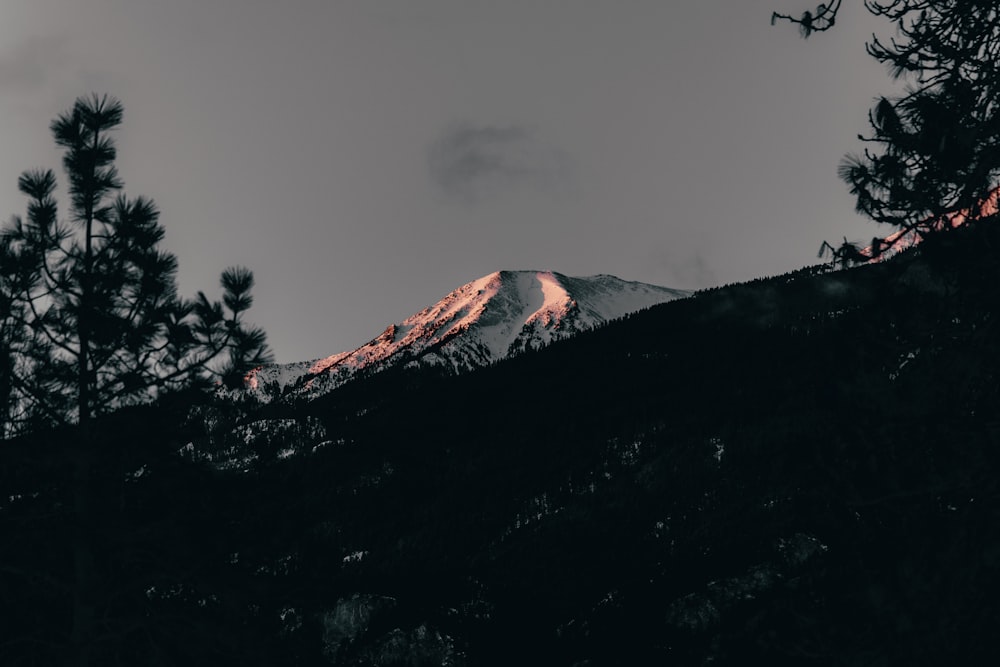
{"x": 91, "y": 318}
{"x": 931, "y": 160}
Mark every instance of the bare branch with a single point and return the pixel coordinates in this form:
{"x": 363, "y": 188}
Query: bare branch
{"x": 822, "y": 19}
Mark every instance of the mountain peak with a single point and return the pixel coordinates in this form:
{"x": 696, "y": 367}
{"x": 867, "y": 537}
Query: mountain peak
{"x": 481, "y": 322}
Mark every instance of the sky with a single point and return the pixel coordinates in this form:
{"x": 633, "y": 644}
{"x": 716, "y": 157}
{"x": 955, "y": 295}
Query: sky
{"x": 365, "y": 157}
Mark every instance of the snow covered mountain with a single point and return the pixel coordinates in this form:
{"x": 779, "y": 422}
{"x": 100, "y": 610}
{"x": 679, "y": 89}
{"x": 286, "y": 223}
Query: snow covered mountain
{"x": 480, "y": 322}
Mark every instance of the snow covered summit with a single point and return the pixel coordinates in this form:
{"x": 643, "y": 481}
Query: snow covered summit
{"x": 481, "y": 322}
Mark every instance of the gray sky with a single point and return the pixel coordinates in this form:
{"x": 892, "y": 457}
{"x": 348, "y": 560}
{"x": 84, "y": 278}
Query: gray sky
{"x": 365, "y": 157}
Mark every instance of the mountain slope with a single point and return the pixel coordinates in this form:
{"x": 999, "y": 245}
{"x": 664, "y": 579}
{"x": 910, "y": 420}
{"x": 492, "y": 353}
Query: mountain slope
{"x": 794, "y": 471}
{"x": 799, "y": 470}
{"x": 477, "y": 324}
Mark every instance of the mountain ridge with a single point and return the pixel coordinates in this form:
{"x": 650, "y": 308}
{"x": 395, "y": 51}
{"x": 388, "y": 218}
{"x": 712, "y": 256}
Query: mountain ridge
{"x": 485, "y": 320}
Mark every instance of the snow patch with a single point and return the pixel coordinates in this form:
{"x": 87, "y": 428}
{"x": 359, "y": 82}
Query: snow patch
{"x": 480, "y": 323}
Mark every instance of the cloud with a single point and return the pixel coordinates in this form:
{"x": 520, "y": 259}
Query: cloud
{"x": 43, "y": 73}
{"x": 693, "y": 271}
{"x": 34, "y": 64}
{"x": 471, "y": 162}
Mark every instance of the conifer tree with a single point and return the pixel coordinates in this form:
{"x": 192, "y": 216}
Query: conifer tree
{"x": 91, "y": 317}
{"x": 934, "y": 151}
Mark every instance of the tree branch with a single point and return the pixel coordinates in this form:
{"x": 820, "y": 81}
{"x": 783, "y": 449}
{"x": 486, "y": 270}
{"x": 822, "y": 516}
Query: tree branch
{"x": 821, "y": 20}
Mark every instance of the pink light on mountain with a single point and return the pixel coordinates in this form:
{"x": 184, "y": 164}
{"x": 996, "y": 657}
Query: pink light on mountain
{"x": 479, "y": 323}
{"x": 904, "y": 239}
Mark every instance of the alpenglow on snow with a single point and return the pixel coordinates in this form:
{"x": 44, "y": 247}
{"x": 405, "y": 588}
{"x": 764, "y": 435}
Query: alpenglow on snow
{"x": 500, "y": 314}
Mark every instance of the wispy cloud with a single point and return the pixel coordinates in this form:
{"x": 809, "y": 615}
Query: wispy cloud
{"x": 475, "y": 161}
{"x": 691, "y": 271}
{"x": 33, "y": 64}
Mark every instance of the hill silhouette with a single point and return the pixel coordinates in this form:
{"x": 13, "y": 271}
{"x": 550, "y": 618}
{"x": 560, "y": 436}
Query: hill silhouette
{"x": 791, "y": 471}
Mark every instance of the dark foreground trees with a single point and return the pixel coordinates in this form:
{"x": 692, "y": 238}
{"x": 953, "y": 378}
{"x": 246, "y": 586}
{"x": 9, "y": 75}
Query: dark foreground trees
{"x": 933, "y": 153}
{"x": 90, "y": 322}
{"x": 90, "y": 318}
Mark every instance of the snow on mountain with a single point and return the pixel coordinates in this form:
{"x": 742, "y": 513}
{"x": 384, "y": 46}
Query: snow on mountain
{"x": 481, "y": 322}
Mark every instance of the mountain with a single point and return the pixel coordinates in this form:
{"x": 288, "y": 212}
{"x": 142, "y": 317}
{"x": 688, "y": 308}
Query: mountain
{"x": 798, "y": 470}
{"x": 479, "y": 323}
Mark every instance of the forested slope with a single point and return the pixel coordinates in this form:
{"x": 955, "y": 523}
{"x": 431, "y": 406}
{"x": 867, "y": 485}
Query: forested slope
{"x": 797, "y": 470}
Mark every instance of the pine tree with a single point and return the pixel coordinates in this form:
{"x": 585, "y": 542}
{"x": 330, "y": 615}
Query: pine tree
{"x": 91, "y": 317}
{"x": 934, "y": 152}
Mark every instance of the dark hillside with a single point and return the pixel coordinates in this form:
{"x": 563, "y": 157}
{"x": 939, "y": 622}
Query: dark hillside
{"x": 792, "y": 471}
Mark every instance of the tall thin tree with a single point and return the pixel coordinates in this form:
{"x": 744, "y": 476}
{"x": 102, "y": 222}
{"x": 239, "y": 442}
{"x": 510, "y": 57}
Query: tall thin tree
{"x": 92, "y": 319}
